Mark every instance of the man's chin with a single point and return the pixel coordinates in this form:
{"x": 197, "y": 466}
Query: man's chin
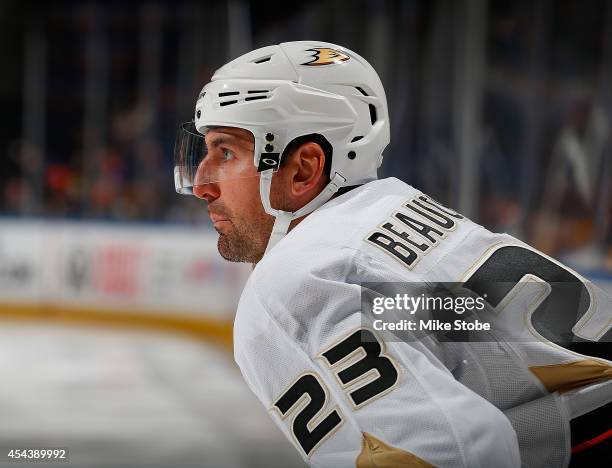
{"x": 235, "y": 250}
{"x": 229, "y": 250}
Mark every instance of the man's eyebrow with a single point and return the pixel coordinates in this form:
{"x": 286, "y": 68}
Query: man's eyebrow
{"x": 221, "y": 140}
{"x": 225, "y": 139}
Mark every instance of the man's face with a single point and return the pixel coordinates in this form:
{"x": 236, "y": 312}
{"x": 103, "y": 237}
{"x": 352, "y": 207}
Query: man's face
{"x": 232, "y": 193}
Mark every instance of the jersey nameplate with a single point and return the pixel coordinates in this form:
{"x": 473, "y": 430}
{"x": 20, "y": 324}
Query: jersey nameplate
{"x": 413, "y": 230}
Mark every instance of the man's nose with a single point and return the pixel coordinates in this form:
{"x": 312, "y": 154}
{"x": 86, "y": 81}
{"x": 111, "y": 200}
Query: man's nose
{"x": 208, "y": 192}
{"x": 203, "y": 188}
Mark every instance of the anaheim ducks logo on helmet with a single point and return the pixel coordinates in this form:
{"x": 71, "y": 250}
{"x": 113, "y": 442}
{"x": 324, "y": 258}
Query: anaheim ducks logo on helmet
{"x": 325, "y": 56}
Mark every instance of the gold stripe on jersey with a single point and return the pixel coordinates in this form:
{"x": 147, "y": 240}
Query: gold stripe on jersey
{"x": 564, "y": 377}
{"x": 376, "y": 454}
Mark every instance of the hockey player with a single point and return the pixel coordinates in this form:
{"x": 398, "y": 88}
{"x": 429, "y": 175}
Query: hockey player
{"x": 285, "y": 146}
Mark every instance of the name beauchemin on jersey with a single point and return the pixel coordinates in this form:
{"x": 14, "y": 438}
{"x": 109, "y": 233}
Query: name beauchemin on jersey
{"x": 396, "y": 235}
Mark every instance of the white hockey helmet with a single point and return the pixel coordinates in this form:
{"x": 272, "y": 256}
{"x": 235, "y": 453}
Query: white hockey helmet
{"x": 282, "y": 92}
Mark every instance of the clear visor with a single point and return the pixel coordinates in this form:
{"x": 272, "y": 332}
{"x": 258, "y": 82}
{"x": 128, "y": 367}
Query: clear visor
{"x": 226, "y": 156}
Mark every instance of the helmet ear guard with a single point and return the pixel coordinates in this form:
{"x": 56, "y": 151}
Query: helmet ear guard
{"x": 283, "y": 218}
{"x": 286, "y": 91}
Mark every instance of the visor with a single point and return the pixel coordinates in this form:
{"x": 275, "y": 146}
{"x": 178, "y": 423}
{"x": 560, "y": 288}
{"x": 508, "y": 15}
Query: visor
{"x": 195, "y": 164}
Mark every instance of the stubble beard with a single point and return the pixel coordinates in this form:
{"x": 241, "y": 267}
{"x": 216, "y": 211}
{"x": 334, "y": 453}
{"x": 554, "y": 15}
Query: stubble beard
{"x": 245, "y": 242}
{"x": 248, "y": 239}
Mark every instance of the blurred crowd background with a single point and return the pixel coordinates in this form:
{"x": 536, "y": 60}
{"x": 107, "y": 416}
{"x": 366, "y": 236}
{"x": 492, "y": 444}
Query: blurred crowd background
{"x": 501, "y": 109}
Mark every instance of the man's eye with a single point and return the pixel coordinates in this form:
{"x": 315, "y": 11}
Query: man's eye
{"x": 227, "y": 155}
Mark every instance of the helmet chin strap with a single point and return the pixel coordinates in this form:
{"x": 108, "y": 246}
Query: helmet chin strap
{"x": 284, "y": 218}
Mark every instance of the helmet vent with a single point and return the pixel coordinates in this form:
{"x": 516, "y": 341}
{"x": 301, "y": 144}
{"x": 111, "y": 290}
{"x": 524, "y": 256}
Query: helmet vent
{"x": 361, "y": 90}
{"x": 357, "y": 138}
{"x": 373, "y": 116}
{"x": 255, "y": 95}
{"x": 263, "y": 59}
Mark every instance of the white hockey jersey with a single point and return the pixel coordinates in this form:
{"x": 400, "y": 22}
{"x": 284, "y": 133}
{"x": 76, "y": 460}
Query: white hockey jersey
{"x": 345, "y": 403}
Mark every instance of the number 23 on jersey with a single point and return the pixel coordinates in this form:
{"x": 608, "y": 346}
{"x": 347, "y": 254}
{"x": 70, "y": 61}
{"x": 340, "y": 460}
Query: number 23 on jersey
{"x": 363, "y": 372}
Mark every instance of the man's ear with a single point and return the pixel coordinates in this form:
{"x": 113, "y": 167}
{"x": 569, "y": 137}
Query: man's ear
{"x": 307, "y": 168}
